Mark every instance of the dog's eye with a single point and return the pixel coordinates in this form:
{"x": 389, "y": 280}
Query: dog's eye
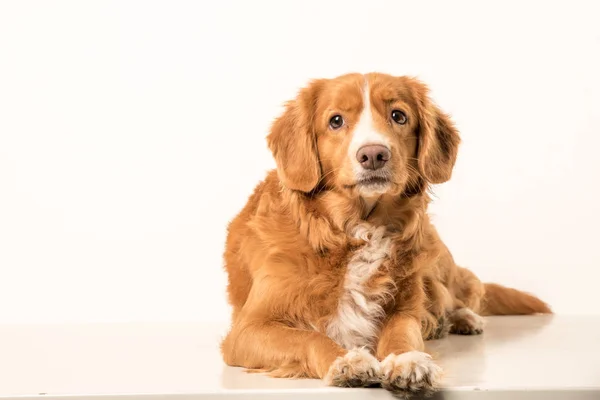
{"x": 399, "y": 117}
{"x": 336, "y": 122}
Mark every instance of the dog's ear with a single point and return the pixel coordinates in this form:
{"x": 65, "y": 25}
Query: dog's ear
{"x": 292, "y": 141}
{"x": 438, "y": 138}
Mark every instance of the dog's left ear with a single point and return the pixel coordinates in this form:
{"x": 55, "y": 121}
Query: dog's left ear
{"x": 293, "y": 142}
{"x": 438, "y": 138}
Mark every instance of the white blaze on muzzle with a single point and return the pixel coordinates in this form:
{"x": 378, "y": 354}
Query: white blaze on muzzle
{"x": 365, "y": 133}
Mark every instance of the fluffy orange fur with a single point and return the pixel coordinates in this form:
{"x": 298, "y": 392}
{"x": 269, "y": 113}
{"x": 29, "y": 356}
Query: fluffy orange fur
{"x": 299, "y": 310}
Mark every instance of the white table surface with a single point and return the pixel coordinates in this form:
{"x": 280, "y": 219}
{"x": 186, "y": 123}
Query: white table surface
{"x": 537, "y": 357}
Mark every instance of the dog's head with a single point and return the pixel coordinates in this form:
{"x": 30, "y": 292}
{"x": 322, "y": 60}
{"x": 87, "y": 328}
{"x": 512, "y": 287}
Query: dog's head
{"x": 363, "y": 134}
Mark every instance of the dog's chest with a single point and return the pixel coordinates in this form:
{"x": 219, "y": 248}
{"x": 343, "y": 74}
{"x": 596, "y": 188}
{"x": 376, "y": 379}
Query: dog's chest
{"x": 367, "y": 287}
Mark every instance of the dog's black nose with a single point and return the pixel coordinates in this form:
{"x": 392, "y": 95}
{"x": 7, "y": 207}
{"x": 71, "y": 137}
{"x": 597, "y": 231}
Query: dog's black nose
{"x": 373, "y": 156}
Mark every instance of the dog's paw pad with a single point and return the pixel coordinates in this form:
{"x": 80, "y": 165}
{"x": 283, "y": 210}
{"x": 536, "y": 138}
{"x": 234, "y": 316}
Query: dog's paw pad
{"x": 357, "y": 368}
{"x": 410, "y": 373}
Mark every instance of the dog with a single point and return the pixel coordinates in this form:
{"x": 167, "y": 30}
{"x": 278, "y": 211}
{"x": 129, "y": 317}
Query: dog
{"x": 334, "y": 269}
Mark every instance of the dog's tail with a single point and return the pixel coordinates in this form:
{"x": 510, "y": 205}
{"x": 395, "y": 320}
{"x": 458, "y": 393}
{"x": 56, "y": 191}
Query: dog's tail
{"x": 500, "y": 300}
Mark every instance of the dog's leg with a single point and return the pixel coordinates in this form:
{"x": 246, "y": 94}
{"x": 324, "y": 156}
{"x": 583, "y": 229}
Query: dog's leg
{"x": 284, "y": 351}
{"x": 465, "y": 322}
{"x": 406, "y": 369}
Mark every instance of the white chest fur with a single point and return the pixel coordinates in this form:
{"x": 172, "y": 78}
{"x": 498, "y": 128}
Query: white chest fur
{"x": 360, "y": 311}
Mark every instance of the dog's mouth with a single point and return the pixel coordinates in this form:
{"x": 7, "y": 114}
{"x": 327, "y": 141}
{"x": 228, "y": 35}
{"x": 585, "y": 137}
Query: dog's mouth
{"x": 371, "y": 181}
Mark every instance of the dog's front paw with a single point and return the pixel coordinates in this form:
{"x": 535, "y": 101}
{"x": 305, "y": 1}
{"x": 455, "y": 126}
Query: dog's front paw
{"x": 357, "y": 368}
{"x": 465, "y": 322}
{"x": 410, "y": 373}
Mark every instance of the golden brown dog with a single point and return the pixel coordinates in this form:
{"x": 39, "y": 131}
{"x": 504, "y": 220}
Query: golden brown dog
{"x": 335, "y": 271}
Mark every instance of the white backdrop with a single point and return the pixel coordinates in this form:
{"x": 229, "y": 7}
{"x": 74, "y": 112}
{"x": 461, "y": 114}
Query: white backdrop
{"x": 131, "y": 132}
